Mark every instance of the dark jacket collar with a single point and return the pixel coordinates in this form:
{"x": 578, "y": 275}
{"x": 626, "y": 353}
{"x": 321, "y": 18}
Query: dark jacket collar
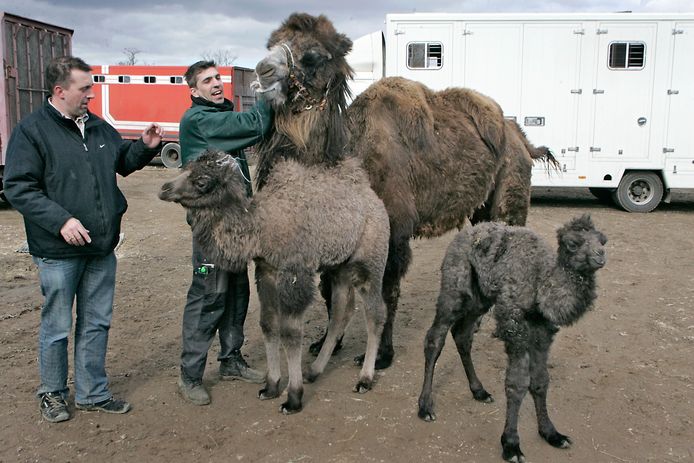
{"x": 227, "y": 105}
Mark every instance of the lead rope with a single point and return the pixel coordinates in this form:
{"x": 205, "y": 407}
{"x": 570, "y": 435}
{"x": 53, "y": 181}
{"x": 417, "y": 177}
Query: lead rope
{"x": 226, "y": 160}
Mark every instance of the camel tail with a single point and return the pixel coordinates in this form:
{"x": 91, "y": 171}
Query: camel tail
{"x": 539, "y": 153}
{"x": 544, "y": 155}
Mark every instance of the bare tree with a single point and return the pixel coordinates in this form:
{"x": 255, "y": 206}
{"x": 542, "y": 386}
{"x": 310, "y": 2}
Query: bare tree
{"x": 220, "y": 56}
{"x": 130, "y": 56}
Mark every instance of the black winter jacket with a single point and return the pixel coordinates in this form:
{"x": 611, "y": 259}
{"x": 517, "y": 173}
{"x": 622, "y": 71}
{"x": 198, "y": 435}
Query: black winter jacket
{"x": 53, "y": 174}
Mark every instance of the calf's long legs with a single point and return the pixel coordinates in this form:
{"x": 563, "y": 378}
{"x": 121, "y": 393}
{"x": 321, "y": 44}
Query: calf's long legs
{"x": 541, "y": 340}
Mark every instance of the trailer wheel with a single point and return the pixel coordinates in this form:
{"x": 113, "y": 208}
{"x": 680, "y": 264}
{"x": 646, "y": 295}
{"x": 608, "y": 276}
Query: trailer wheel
{"x": 639, "y": 192}
{"x": 604, "y": 195}
{"x": 171, "y": 155}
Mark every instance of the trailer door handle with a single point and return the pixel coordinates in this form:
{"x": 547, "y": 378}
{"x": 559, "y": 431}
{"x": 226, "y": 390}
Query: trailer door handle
{"x": 572, "y": 148}
{"x": 594, "y": 149}
{"x": 673, "y": 92}
{"x": 577, "y": 91}
{"x": 598, "y": 92}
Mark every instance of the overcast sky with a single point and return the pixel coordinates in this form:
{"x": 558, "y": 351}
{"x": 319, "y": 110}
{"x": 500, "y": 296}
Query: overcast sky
{"x": 178, "y": 32}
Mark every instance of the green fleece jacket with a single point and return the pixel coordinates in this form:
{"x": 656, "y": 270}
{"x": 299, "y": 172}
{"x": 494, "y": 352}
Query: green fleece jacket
{"x": 204, "y": 126}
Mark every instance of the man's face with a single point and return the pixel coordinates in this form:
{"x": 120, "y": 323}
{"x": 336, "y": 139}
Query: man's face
{"x": 209, "y": 86}
{"x": 73, "y": 98}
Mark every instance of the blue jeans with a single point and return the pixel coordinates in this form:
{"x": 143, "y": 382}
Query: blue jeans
{"x": 91, "y": 282}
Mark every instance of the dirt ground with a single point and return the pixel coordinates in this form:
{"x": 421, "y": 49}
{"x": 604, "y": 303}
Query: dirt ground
{"x": 622, "y": 378}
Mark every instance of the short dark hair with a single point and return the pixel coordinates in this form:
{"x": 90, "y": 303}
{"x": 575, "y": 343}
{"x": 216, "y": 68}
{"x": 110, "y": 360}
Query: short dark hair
{"x": 59, "y": 69}
{"x": 192, "y": 72}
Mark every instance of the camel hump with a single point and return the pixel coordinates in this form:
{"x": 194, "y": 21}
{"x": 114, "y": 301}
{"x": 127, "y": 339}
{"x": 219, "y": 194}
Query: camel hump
{"x": 483, "y": 112}
{"x": 396, "y": 110}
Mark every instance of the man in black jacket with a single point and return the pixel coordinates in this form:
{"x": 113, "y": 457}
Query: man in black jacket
{"x": 60, "y": 174}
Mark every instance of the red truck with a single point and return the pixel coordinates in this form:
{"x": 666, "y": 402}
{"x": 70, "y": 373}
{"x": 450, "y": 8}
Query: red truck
{"x": 129, "y": 97}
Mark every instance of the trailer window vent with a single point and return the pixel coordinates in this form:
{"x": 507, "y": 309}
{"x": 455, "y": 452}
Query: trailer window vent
{"x": 627, "y": 55}
{"x": 124, "y": 79}
{"x": 424, "y": 55}
{"x": 176, "y": 79}
{"x": 150, "y": 79}
{"x": 99, "y": 79}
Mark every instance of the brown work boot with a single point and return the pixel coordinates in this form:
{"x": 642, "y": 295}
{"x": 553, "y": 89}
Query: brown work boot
{"x": 193, "y": 391}
{"x": 235, "y": 367}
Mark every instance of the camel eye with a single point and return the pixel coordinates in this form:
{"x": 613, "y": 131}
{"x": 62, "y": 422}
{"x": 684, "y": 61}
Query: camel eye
{"x": 572, "y": 245}
{"x": 202, "y": 183}
{"x": 310, "y": 58}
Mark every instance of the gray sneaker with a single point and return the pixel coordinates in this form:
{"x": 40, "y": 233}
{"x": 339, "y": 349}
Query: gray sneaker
{"x": 111, "y": 405}
{"x": 53, "y": 407}
{"x": 193, "y": 391}
{"x": 235, "y": 367}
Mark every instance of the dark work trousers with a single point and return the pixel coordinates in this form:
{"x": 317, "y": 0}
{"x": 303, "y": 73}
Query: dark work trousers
{"x": 217, "y": 302}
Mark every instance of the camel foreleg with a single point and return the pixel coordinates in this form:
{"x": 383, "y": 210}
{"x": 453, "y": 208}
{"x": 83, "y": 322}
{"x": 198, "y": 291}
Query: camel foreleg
{"x": 541, "y": 339}
{"x": 291, "y": 333}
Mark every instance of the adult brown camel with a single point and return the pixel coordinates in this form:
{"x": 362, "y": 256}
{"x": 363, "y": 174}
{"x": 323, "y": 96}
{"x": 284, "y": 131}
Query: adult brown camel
{"x": 436, "y": 159}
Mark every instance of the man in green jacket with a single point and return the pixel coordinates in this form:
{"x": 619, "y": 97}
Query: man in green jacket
{"x": 217, "y": 300}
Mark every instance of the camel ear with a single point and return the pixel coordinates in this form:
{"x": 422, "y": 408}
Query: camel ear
{"x": 343, "y": 45}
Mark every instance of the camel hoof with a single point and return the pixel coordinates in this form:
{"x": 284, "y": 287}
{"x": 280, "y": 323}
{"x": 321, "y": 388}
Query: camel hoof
{"x": 289, "y": 409}
{"x": 483, "y": 396}
{"x": 267, "y": 394}
{"x": 362, "y": 387}
{"x": 426, "y": 415}
{"x": 512, "y": 453}
{"x": 557, "y": 440}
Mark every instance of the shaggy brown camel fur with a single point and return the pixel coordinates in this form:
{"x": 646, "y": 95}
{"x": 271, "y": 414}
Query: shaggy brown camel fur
{"x": 534, "y": 291}
{"x": 306, "y": 219}
{"x": 434, "y": 158}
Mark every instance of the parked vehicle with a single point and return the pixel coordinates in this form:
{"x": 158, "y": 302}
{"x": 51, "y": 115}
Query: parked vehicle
{"x": 26, "y": 46}
{"x": 130, "y": 97}
{"x": 611, "y": 94}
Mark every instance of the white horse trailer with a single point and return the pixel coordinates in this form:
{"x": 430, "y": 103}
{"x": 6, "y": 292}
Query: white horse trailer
{"x": 611, "y": 94}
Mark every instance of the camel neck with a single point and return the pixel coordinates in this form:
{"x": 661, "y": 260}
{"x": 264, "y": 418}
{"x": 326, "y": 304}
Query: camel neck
{"x": 568, "y": 295}
{"x": 228, "y": 234}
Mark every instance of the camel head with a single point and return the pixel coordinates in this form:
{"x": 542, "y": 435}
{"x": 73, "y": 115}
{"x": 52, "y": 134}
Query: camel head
{"x": 212, "y": 180}
{"x": 305, "y": 68}
{"x": 581, "y": 246}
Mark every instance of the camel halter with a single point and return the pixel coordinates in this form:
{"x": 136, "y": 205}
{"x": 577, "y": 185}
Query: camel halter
{"x": 301, "y": 91}
{"x": 227, "y": 159}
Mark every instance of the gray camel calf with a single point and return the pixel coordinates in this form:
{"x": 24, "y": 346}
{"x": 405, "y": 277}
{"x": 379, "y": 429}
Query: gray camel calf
{"x": 533, "y": 290}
